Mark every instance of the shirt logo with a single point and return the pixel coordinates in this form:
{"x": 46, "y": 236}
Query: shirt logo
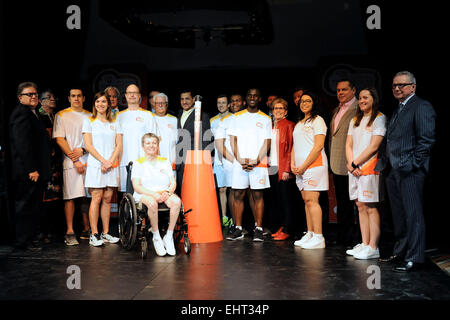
{"x": 259, "y": 124}
{"x": 313, "y": 183}
{"x": 369, "y": 129}
{"x": 367, "y": 194}
{"x": 139, "y": 119}
{"x": 170, "y": 126}
{"x": 111, "y": 127}
{"x": 262, "y": 181}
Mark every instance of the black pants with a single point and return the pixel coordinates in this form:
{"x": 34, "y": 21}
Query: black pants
{"x": 28, "y": 205}
{"x": 348, "y": 227}
{"x": 280, "y": 212}
{"x": 406, "y": 197}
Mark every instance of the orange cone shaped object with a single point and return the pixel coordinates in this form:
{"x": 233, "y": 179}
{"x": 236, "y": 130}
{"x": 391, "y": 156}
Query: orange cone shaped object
{"x": 198, "y": 193}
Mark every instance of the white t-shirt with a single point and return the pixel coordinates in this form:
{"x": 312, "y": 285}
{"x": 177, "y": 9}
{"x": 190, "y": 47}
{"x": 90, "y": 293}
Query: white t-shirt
{"x": 303, "y": 135}
{"x": 223, "y": 131}
{"x": 167, "y": 127}
{"x": 103, "y": 138}
{"x": 273, "y": 149}
{"x": 134, "y": 124}
{"x": 154, "y": 176}
{"x": 251, "y": 130}
{"x": 362, "y": 134}
{"x": 68, "y": 124}
{"x": 214, "y": 123}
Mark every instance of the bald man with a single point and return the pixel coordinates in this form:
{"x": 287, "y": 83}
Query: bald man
{"x": 135, "y": 122}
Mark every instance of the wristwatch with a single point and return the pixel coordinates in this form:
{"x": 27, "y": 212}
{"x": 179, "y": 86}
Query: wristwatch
{"x": 84, "y": 150}
{"x": 354, "y": 165}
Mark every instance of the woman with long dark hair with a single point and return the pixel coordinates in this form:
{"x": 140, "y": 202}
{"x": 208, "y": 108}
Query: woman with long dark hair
{"x": 309, "y": 163}
{"x": 103, "y": 140}
{"x": 365, "y": 134}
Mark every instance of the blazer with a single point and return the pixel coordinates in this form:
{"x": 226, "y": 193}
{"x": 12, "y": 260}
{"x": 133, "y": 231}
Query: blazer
{"x": 409, "y": 137}
{"x": 206, "y": 136}
{"x": 338, "y": 159}
{"x": 284, "y": 144}
{"x": 30, "y": 144}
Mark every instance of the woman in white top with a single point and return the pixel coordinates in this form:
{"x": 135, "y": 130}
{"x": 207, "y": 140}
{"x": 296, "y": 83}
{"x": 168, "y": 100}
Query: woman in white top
{"x": 365, "y": 134}
{"x": 309, "y": 163}
{"x": 154, "y": 183}
{"x": 103, "y": 140}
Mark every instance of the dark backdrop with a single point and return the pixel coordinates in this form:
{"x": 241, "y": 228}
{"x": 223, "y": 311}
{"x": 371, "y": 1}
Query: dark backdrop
{"x": 312, "y": 44}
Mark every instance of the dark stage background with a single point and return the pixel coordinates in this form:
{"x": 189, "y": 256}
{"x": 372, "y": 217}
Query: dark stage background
{"x": 225, "y": 46}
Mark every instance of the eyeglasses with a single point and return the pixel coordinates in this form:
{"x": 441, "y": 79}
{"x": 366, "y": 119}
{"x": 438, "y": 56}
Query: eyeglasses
{"x": 306, "y": 101}
{"x": 400, "y": 85}
{"x": 29, "y": 95}
{"x": 160, "y": 103}
{"x": 50, "y": 98}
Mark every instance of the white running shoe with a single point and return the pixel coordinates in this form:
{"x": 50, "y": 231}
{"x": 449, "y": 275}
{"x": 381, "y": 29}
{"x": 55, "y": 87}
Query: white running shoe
{"x": 315, "y": 242}
{"x": 159, "y": 246}
{"x": 109, "y": 238}
{"x": 306, "y": 237}
{"x": 356, "y": 249}
{"x": 169, "y": 245}
{"x": 95, "y": 240}
{"x": 367, "y": 253}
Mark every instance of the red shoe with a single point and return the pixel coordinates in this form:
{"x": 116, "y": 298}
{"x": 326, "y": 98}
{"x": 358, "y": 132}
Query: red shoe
{"x": 281, "y": 236}
{"x": 277, "y": 233}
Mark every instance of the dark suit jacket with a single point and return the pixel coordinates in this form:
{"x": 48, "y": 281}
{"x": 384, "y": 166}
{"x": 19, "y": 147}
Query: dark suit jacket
{"x": 30, "y": 144}
{"x": 206, "y": 136}
{"x": 409, "y": 137}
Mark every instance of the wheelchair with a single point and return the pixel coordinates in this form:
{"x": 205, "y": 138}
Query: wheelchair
{"x": 132, "y": 215}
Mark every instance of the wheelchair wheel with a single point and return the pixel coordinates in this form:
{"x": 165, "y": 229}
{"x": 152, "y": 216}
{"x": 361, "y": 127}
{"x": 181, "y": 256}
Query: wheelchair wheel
{"x": 187, "y": 244}
{"x": 144, "y": 248}
{"x": 127, "y": 221}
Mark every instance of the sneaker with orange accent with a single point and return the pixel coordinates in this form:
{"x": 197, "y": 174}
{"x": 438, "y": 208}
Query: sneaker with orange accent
{"x": 281, "y": 236}
{"x": 277, "y": 233}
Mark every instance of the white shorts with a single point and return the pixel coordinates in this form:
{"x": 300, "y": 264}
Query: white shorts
{"x": 364, "y": 188}
{"x": 73, "y": 184}
{"x": 96, "y": 179}
{"x": 314, "y": 179}
{"x": 219, "y": 171}
{"x": 257, "y": 179}
{"x": 228, "y": 168}
{"x": 123, "y": 179}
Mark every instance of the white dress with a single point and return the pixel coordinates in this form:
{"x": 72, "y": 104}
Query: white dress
{"x": 104, "y": 141}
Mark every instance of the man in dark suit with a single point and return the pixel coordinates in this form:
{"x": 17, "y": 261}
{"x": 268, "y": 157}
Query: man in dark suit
{"x": 30, "y": 153}
{"x": 185, "y": 126}
{"x": 409, "y": 138}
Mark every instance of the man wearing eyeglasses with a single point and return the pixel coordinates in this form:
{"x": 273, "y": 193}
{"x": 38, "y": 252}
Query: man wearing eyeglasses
{"x": 53, "y": 189}
{"x": 135, "y": 122}
{"x": 409, "y": 139}
{"x": 30, "y": 154}
{"x": 167, "y": 126}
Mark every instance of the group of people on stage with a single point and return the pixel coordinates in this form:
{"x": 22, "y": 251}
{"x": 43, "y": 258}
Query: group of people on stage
{"x": 257, "y": 155}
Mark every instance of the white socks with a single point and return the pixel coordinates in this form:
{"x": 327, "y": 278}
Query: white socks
{"x": 156, "y": 235}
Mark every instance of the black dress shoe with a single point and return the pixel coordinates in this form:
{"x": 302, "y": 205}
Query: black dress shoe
{"x": 407, "y": 266}
{"x": 393, "y": 259}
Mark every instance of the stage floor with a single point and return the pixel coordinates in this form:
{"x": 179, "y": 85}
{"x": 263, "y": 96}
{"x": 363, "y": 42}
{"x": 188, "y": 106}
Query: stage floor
{"x": 239, "y": 270}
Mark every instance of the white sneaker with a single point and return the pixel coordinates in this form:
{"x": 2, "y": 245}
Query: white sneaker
{"x": 306, "y": 237}
{"x": 314, "y": 243}
{"x": 367, "y": 253}
{"x": 109, "y": 238}
{"x": 169, "y": 245}
{"x": 356, "y": 249}
{"x": 95, "y": 240}
{"x": 159, "y": 247}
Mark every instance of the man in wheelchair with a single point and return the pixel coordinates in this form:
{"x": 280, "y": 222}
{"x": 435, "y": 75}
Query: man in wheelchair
{"x": 154, "y": 183}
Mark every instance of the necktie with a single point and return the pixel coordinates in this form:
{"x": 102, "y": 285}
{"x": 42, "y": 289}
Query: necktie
{"x": 399, "y": 109}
